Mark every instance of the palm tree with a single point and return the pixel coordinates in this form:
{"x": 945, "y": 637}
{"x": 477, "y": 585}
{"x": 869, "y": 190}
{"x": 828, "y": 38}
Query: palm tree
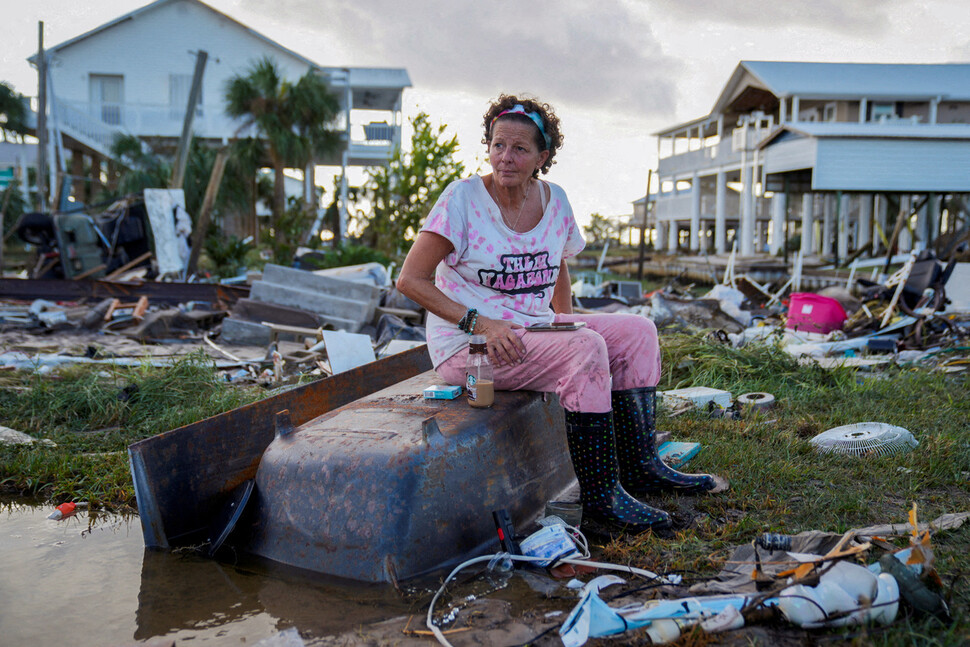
{"x": 293, "y": 119}
{"x": 13, "y": 113}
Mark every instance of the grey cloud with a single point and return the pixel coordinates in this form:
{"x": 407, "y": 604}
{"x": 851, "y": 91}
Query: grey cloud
{"x": 846, "y": 16}
{"x": 600, "y": 55}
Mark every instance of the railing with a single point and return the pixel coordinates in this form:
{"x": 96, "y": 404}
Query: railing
{"x": 699, "y": 160}
{"x": 159, "y": 120}
{"x": 85, "y": 128}
{"x": 670, "y": 206}
{"x": 379, "y": 134}
{"x": 379, "y": 131}
{"x": 97, "y": 124}
{"x": 754, "y": 137}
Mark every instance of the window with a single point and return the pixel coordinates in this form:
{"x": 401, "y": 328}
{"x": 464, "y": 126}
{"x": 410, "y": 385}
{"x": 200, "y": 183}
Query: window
{"x": 830, "y": 111}
{"x": 179, "y": 87}
{"x": 882, "y": 111}
{"x": 107, "y": 92}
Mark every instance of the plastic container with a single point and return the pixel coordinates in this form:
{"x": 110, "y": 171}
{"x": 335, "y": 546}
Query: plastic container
{"x": 571, "y": 513}
{"x": 809, "y": 312}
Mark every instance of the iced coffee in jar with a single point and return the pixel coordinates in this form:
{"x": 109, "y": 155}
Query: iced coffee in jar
{"x": 479, "y": 380}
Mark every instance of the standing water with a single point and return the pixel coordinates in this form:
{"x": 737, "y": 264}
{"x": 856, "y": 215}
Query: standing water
{"x": 88, "y": 580}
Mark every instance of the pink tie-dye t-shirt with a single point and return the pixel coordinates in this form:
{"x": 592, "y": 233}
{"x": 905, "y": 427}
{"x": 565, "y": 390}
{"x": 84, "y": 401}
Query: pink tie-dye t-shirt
{"x": 502, "y": 273}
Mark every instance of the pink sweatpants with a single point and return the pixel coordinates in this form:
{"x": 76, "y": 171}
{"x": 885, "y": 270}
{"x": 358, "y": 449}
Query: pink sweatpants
{"x": 577, "y": 365}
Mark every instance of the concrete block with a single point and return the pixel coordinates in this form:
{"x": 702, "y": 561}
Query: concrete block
{"x": 346, "y": 304}
{"x": 260, "y": 311}
{"x": 303, "y": 280}
{"x": 245, "y": 333}
{"x": 343, "y": 313}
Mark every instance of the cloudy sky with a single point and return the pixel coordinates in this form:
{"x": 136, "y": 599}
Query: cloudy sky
{"x": 615, "y": 70}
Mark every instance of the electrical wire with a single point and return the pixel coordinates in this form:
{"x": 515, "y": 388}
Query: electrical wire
{"x": 429, "y": 620}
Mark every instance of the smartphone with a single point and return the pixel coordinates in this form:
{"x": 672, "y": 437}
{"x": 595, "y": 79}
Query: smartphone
{"x": 554, "y": 327}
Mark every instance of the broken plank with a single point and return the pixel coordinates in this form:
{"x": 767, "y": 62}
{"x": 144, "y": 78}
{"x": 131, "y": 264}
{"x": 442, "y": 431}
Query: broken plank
{"x": 127, "y": 266}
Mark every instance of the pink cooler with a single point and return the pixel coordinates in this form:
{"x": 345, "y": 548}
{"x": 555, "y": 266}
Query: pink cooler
{"x": 809, "y": 312}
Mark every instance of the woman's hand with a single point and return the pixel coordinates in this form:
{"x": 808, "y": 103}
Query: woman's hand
{"x": 504, "y": 346}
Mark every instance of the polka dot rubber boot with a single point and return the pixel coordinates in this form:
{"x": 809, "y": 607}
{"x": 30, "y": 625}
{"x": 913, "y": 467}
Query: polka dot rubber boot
{"x": 641, "y": 470}
{"x": 593, "y": 452}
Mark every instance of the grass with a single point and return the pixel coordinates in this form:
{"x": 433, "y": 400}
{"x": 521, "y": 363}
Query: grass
{"x": 780, "y": 484}
{"x": 93, "y": 413}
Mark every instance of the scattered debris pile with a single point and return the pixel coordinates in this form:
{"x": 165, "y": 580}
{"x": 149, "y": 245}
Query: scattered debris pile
{"x": 812, "y": 580}
{"x": 288, "y": 323}
{"x": 920, "y": 313}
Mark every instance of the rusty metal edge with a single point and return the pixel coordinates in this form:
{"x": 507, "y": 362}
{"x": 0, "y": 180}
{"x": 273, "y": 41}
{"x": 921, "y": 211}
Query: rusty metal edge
{"x": 147, "y": 505}
{"x": 181, "y": 476}
{"x": 60, "y": 290}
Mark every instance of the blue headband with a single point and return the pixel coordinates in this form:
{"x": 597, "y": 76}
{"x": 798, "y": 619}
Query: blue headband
{"x": 519, "y": 109}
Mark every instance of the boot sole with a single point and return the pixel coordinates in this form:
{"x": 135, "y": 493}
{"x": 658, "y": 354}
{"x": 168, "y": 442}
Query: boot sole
{"x": 593, "y": 527}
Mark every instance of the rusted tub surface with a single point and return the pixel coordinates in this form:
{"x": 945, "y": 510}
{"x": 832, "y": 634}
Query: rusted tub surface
{"x": 184, "y": 478}
{"x": 392, "y": 486}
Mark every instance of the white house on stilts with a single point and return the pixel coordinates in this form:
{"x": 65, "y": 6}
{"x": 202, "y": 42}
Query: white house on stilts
{"x": 819, "y": 156}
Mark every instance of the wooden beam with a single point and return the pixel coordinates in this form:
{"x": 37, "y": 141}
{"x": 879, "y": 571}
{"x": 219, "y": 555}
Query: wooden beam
{"x": 41, "y": 120}
{"x": 89, "y": 272}
{"x": 643, "y": 226}
{"x": 127, "y": 266}
{"x": 208, "y": 202}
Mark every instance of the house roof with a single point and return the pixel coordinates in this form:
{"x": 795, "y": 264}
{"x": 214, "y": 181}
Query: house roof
{"x": 374, "y": 88}
{"x": 853, "y": 80}
{"x": 871, "y": 81}
{"x": 375, "y": 78}
{"x": 131, "y": 15}
{"x": 869, "y": 130}
{"x": 693, "y": 123}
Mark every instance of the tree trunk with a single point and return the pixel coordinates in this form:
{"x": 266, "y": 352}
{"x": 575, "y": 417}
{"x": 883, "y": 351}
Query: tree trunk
{"x": 279, "y": 196}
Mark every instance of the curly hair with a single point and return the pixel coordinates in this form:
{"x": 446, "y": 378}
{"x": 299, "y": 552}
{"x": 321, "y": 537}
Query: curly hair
{"x": 544, "y": 110}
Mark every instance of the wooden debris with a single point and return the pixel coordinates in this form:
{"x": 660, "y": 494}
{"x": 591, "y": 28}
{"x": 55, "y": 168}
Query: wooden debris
{"x": 127, "y": 266}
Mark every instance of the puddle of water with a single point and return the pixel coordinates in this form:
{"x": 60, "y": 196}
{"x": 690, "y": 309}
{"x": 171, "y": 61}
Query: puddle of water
{"x": 89, "y": 581}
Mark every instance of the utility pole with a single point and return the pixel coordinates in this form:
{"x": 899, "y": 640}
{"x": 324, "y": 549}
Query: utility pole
{"x": 643, "y": 227}
{"x": 41, "y": 120}
{"x": 182, "y": 152}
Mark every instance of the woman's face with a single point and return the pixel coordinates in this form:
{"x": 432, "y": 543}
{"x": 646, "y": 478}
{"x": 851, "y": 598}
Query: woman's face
{"x": 513, "y": 153}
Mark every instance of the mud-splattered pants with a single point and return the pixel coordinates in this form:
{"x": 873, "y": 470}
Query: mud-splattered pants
{"x": 577, "y": 365}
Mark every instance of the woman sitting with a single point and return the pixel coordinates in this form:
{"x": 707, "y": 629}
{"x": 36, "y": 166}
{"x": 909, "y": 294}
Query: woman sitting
{"x": 491, "y": 260}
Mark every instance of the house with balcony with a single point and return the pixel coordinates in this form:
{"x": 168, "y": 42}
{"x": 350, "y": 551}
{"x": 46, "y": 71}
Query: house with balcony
{"x": 133, "y": 75}
{"x": 833, "y": 153}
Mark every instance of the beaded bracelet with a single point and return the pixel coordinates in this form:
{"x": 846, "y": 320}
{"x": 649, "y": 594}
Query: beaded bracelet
{"x": 471, "y": 317}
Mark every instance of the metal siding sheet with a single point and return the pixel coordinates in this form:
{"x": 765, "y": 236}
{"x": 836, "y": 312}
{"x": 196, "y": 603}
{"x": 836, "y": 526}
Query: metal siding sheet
{"x": 790, "y": 155}
{"x": 892, "y": 165}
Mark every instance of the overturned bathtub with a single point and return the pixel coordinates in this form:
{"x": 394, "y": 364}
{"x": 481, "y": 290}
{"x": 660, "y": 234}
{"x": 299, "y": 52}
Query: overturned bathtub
{"x": 356, "y": 476}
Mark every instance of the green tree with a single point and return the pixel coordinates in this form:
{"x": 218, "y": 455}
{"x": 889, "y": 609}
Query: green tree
{"x": 12, "y": 206}
{"x": 401, "y": 194}
{"x": 293, "y": 119}
{"x": 140, "y": 168}
{"x": 600, "y": 230}
{"x": 13, "y": 113}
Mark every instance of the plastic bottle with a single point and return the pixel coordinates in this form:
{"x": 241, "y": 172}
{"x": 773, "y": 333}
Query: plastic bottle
{"x": 63, "y": 510}
{"x": 774, "y": 541}
{"x": 479, "y": 379}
